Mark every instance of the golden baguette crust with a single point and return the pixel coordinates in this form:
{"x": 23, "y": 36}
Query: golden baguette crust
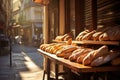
{"x": 65, "y": 49}
{"x": 88, "y": 36}
{"x": 95, "y": 54}
{"x": 104, "y": 59}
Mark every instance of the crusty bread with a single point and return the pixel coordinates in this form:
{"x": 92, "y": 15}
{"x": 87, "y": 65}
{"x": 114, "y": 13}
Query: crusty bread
{"x": 104, "y": 37}
{"x": 65, "y": 49}
{"x": 59, "y": 38}
{"x": 104, "y": 59}
{"x": 77, "y": 53}
{"x": 81, "y": 34}
{"x": 67, "y": 55}
{"x": 95, "y": 54}
{"x": 88, "y": 36}
{"x": 85, "y": 53}
{"x": 96, "y": 36}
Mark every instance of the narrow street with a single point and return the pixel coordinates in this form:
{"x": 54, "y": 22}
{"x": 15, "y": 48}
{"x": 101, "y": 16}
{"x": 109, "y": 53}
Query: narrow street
{"x": 27, "y": 64}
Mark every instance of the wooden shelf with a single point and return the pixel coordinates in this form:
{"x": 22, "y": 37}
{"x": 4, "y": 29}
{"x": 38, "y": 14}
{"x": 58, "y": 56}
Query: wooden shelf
{"x": 76, "y": 66}
{"x": 98, "y": 42}
{"x": 117, "y": 43}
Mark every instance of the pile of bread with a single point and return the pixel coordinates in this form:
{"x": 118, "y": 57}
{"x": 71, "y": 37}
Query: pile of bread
{"x": 101, "y": 34}
{"x": 82, "y": 55}
{"x": 64, "y": 37}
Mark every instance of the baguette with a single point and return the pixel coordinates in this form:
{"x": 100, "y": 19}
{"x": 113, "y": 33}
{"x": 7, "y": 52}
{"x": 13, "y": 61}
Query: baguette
{"x": 81, "y": 34}
{"x": 104, "y": 59}
{"x": 82, "y": 56}
{"x": 96, "y": 36}
{"x": 64, "y": 50}
{"x": 95, "y": 54}
{"x": 76, "y": 54}
{"x": 88, "y": 36}
{"x": 104, "y": 37}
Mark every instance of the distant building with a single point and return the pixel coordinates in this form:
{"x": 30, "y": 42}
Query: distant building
{"x": 30, "y": 18}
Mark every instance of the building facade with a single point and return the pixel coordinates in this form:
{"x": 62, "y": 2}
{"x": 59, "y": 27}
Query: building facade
{"x": 30, "y": 19}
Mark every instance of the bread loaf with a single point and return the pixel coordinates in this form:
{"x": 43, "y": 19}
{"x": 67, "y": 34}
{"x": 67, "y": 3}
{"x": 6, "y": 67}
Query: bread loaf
{"x": 67, "y": 55}
{"x": 88, "y": 36}
{"x": 76, "y": 54}
{"x": 65, "y": 49}
{"x": 81, "y": 34}
{"x": 104, "y": 37}
{"x": 104, "y": 59}
{"x": 95, "y": 54}
{"x": 59, "y": 38}
{"x": 82, "y": 56}
{"x": 96, "y": 36}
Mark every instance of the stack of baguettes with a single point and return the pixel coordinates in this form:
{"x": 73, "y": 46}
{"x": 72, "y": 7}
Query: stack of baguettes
{"x": 101, "y": 34}
{"x": 82, "y": 55}
{"x": 64, "y": 37}
{"x": 87, "y": 56}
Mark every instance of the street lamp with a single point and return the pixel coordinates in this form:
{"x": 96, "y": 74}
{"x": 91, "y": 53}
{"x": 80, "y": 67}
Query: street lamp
{"x": 42, "y": 2}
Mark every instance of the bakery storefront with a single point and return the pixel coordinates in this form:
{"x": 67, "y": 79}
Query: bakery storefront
{"x": 81, "y": 39}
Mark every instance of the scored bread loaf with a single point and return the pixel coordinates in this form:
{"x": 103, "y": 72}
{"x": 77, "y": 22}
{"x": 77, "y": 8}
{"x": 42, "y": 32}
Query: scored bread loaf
{"x": 95, "y": 54}
{"x": 96, "y": 36}
{"x": 67, "y": 55}
{"x": 85, "y": 53}
{"x": 74, "y": 55}
{"x": 104, "y": 59}
{"x": 81, "y": 34}
{"x": 65, "y": 49}
{"x": 104, "y": 37}
{"x": 59, "y": 38}
{"x": 88, "y": 36}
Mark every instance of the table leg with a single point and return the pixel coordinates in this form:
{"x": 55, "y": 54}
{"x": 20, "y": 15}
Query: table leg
{"x": 56, "y": 71}
{"x": 48, "y": 69}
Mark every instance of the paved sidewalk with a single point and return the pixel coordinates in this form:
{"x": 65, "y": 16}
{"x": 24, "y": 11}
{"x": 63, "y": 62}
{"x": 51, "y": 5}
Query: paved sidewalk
{"x": 26, "y": 64}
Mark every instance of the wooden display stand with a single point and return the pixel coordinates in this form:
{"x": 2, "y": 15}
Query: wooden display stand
{"x": 79, "y": 68}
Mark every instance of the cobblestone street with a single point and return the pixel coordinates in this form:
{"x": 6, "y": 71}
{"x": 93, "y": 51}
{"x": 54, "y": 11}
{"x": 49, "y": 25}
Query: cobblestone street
{"x": 26, "y": 64}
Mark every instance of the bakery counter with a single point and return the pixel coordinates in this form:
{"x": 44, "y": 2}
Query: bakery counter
{"x": 79, "y": 68}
